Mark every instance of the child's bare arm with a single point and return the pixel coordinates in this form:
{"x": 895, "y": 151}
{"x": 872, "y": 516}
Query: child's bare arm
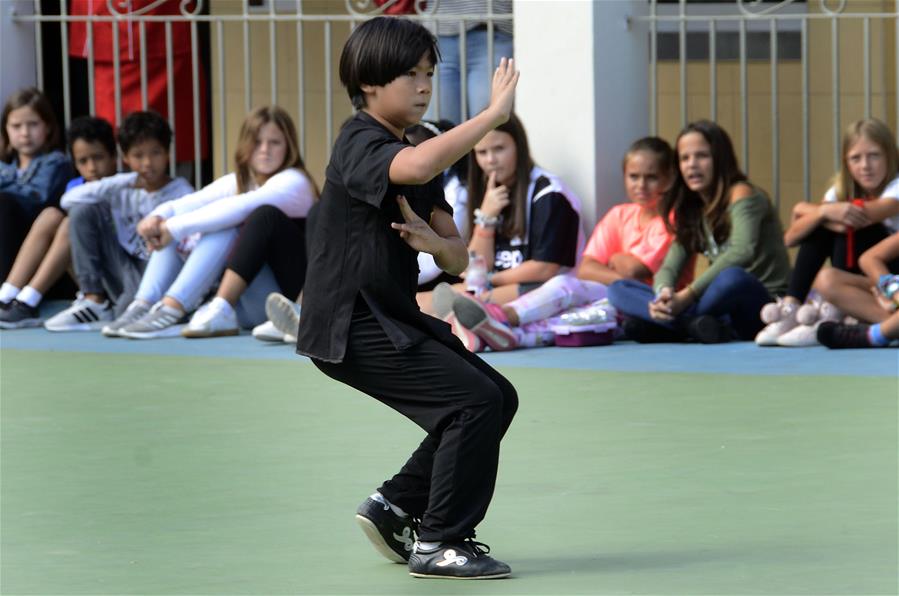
{"x": 873, "y": 261}
{"x": 417, "y": 165}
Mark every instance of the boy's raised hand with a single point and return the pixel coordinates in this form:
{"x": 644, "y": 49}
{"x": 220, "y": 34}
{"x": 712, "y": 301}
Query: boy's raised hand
{"x": 416, "y": 231}
{"x": 502, "y": 95}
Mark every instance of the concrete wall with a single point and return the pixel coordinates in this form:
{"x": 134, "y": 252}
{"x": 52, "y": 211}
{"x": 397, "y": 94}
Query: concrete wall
{"x": 17, "y": 60}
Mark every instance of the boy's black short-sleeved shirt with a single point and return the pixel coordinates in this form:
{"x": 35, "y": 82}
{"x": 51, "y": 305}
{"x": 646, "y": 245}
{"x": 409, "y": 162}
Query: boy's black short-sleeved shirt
{"x": 353, "y": 251}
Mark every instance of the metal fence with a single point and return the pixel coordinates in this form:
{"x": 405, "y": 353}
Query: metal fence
{"x": 268, "y": 12}
{"x": 686, "y": 20}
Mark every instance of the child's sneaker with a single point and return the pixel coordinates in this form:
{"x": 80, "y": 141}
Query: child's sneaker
{"x": 779, "y": 317}
{"x": 18, "y": 315}
{"x": 707, "y": 329}
{"x": 469, "y": 339}
{"x": 216, "y": 318}
{"x": 136, "y": 310}
{"x": 268, "y": 332}
{"x": 485, "y": 320}
{"x": 456, "y": 560}
{"x": 283, "y": 312}
{"x": 838, "y": 336}
{"x": 442, "y": 300}
{"x": 391, "y": 535}
{"x": 83, "y": 315}
{"x": 160, "y": 321}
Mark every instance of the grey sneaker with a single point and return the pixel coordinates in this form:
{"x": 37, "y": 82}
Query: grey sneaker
{"x": 456, "y": 560}
{"x": 161, "y": 321}
{"x": 18, "y": 315}
{"x": 283, "y": 312}
{"x": 134, "y": 312}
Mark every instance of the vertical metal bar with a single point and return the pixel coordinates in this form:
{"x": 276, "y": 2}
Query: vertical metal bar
{"x": 170, "y": 92}
{"x": 272, "y": 51}
{"x": 654, "y": 70}
{"x": 490, "y": 57}
{"x": 195, "y": 65}
{"x": 682, "y": 60}
{"x": 66, "y": 91}
{"x": 744, "y": 100}
{"x": 775, "y": 118}
{"x": 835, "y": 87}
{"x": 143, "y": 65}
{"x": 329, "y": 108}
{"x": 91, "y": 96}
{"x": 223, "y": 135}
{"x": 896, "y": 62}
{"x": 247, "y": 89}
{"x": 39, "y": 46}
{"x": 806, "y": 165}
{"x": 866, "y": 44}
{"x": 116, "y": 73}
{"x": 713, "y": 68}
{"x": 463, "y": 73}
{"x": 301, "y": 86}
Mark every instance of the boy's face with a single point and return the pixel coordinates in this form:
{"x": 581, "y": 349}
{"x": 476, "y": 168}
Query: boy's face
{"x": 151, "y": 162}
{"x": 92, "y": 160}
{"x": 404, "y": 100}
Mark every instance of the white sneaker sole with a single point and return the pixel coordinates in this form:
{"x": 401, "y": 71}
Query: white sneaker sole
{"x": 96, "y": 326}
{"x": 374, "y": 536}
{"x": 280, "y": 311}
{"x": 173, "y": 331}
{"x": 426, "y": 576}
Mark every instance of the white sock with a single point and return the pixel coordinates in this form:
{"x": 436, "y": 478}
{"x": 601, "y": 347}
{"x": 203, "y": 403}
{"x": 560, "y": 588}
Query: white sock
{"x": 222, "y": 304}
{"x": 8, "y": 292}
{"x": 382, "y": 499}
{"x": 427, "y": 545}
{"x": 30, "y": 296}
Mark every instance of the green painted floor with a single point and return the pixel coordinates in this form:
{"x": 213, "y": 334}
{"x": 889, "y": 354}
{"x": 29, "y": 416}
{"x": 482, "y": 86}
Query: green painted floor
{"x": 139, "y": 474}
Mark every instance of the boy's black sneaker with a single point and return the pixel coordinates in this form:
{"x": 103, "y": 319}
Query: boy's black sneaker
{"x": 837, "y": 336}
{"x": 457, "y": 560}
{"x": 19, "y": 315}
{"x": 392, "y": 536}
{"x": 707, "y": 329}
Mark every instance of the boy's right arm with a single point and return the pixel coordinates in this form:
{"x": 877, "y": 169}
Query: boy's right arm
{"x": 417, "y": 165}
{"x": 95, "y": 191}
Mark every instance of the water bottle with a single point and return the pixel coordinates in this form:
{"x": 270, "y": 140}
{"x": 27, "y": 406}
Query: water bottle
{"x": 476, "y": 274}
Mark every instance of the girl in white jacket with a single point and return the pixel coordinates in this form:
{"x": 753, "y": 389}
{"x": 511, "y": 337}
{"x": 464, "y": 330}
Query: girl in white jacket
{"x": 191, "y": 237}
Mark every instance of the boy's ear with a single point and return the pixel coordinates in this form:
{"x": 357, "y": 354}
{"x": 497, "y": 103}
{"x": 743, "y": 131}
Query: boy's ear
{"x": 367, "y": 89}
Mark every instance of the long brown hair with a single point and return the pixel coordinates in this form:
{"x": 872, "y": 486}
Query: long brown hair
{"x": 249, "y": 132}
{"x": 32, "y": 98}
{"x": 515, "y": 214}
{"x": 878, "y": 133}
{"x": 683, "y": 210}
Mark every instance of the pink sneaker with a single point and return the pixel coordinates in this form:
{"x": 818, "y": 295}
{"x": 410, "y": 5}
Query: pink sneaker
{"x": 483, "y": 320}
{"x": 468, "y": 338}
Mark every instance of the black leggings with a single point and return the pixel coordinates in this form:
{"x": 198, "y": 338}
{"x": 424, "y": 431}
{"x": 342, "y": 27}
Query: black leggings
{"x": 270, "y": 237}
{"x": 822, "y": 244}
{"x": 15, "y": 221}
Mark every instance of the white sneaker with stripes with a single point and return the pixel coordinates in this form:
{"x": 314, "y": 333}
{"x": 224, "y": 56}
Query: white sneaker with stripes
{"x": 83, "y": 315}
{"x": 134, "y": 312}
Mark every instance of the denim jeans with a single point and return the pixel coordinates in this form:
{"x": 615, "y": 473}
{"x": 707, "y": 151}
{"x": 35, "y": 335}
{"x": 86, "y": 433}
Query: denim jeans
{"x": 734, "y": 296}
{"x": 478, "y": 74}
{"x": 250, "y": 307}
{"x": 186, "y": 280}
{"x": 101, "y": 264}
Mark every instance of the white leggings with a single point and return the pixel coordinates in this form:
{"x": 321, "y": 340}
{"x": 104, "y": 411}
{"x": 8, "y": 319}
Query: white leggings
{"x": 537, "y": 308}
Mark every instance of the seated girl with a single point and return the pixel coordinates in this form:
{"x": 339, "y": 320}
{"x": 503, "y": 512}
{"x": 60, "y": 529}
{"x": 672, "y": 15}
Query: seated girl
{"x": 712, "y": 209}
{"x": 192, "y": 236}
{"x": 524, "y": 221}
{"x": 630, "y": 242}
{"x": 857, "y": 212}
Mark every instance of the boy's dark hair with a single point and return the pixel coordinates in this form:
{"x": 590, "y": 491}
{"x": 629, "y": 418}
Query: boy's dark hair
{"x": 380, "y": 50}
{"x": 142, "y": 126}
{"x": 92, "y": 130}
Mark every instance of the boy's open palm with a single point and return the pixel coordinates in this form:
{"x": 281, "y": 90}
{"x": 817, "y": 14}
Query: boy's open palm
{"x": 416, "y": 231}
{"x": 502, "y": 95}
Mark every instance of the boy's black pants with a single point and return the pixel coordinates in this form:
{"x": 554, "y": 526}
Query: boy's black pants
{"x": 462, "y": 403}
